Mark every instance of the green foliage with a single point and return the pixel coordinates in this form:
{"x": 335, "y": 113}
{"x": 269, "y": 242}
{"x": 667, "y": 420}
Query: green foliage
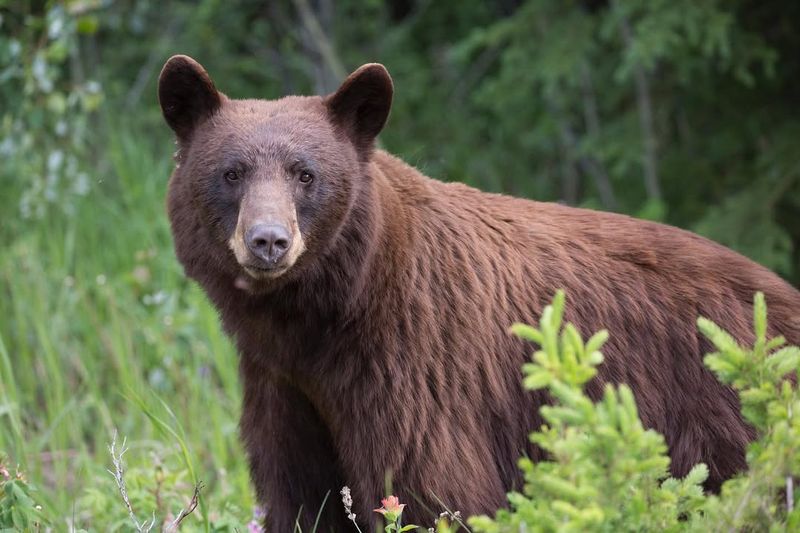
{"x": 757, "y": 501}
{"x": 19, "y": 509}
{"x": 44, "y": 128}
{"x": 158, "y": 486}
{"x": 606, "y": 472}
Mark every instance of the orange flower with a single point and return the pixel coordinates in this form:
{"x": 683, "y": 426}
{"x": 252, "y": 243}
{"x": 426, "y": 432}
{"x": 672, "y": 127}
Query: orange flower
{"x": 391, "y": 508}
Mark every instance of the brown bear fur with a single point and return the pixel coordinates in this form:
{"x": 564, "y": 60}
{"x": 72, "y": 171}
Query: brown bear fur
{"x": 384, "y": 348}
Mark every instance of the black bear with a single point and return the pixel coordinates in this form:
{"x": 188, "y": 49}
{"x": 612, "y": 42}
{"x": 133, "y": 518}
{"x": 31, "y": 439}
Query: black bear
{"x": 370, "y": 305}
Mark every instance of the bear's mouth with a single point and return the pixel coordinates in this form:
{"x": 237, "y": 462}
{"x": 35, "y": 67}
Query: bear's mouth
{"x": 264, "y": 271}
{"x": 257, "y": 279}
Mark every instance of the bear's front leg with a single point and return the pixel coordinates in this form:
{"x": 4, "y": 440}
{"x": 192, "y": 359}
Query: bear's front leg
{"x": 292, "y": 462}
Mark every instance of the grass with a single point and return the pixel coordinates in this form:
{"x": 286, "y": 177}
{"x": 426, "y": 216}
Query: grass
{"x": 102, "y": 332}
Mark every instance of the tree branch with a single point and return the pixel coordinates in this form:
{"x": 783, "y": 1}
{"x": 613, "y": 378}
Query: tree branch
{"x": 188, "y": 510}
{"x": 592, "y": 165}
{"x": 323, "y": 45}
{"x": 646, "y": 123}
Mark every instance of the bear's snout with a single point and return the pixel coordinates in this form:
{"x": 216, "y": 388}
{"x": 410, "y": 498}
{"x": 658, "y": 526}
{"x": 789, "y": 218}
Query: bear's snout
{"x": 268, "y": 242}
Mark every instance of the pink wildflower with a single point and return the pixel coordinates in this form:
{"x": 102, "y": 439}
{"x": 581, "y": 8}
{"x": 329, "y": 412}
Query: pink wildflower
{"x": 391, "y": 508}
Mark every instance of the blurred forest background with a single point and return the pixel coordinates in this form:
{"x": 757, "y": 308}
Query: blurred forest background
{"x": 681, "y": 111}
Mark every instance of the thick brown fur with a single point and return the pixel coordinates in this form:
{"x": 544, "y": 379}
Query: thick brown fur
{"x": 385, "y": 347}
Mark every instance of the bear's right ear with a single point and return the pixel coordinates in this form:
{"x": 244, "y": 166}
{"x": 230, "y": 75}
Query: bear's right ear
{"x": 361, "y": 105}
{"x": 186, "y": 94}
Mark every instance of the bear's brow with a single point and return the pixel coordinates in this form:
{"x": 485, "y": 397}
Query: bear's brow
{"x": 246, "y": 151}
{"x": 301, "y": 162}
{"x": 287, "y": 155}
{"x": 233, "y": 153}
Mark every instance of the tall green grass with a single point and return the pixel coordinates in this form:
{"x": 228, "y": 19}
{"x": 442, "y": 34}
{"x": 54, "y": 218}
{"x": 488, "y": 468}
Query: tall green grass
{"x": 100, "y": 331}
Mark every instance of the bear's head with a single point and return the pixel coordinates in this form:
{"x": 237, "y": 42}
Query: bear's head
{"x": 262, "y": 188}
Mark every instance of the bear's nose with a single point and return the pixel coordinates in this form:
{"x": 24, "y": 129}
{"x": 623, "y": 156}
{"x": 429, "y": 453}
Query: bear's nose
{"x": 268, "y": 242}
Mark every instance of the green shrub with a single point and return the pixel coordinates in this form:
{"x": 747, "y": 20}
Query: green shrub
{"x": 19, "y": 507}
{"x": 606, "y": 472}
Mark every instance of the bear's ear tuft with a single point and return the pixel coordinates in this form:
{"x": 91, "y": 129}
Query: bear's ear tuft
{"x": 361, "y": 105}
{"x": 186, "y": 94}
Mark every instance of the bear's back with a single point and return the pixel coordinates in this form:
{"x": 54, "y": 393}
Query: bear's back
{"x": 554, "y": 244}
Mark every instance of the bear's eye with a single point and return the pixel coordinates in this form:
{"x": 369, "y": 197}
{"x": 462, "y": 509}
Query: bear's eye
{"x": 306, "y": 177}
{"x": 231, "y": 176}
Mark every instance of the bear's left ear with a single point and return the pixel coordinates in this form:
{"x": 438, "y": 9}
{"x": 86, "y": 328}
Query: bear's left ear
{"x": 186, "y": 94}
{"x": 361, "y": 105}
